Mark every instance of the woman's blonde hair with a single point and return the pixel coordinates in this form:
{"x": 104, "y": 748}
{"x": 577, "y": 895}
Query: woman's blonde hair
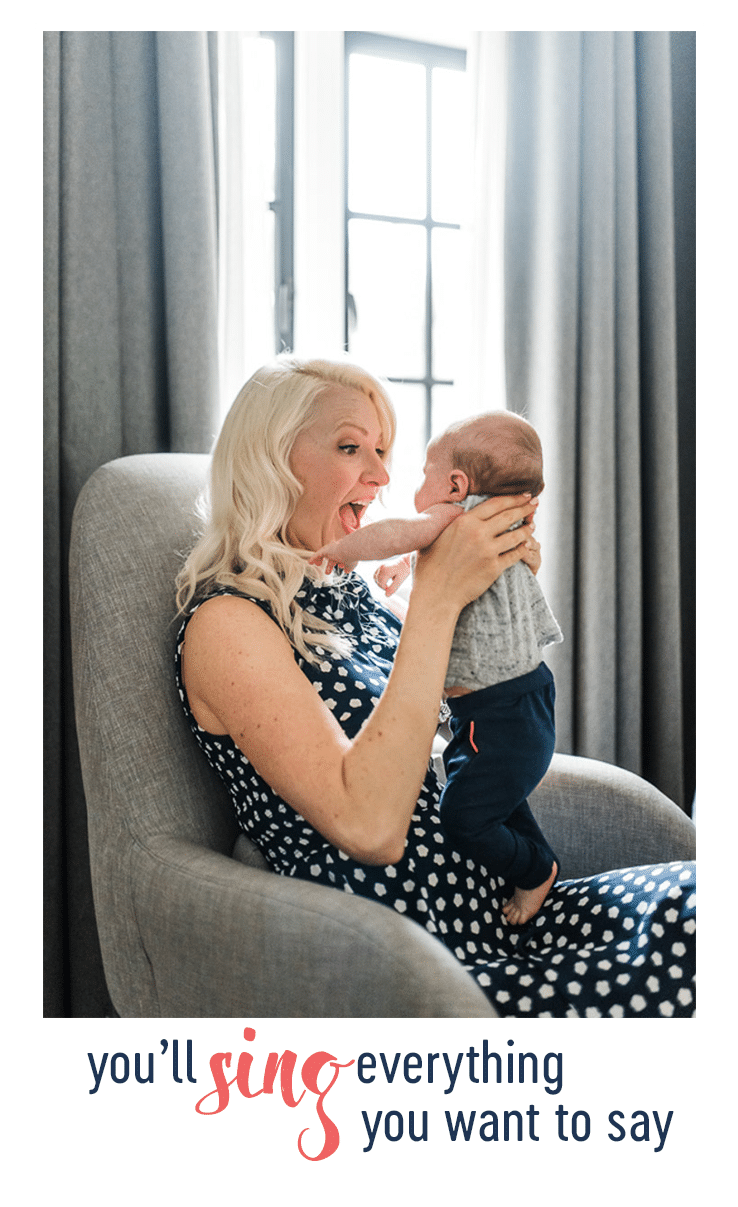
{"x": 252, "y": 493}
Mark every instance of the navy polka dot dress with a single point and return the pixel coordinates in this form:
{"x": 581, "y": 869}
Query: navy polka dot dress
{"x": 615, "y": 945}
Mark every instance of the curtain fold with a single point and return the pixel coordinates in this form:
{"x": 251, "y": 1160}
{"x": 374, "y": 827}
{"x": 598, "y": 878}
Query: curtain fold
{"x": 130, "y": 346}
{"x": 599, "y": 349}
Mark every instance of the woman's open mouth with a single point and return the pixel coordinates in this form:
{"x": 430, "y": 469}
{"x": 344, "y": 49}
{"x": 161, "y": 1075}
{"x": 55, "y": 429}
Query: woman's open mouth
{"x": 351, "y": 514}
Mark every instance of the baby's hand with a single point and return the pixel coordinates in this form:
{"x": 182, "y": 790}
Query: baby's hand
{"x": 389, "y": 576}
{"x": 331, "y": 555}
{"x": 532, "y": 556}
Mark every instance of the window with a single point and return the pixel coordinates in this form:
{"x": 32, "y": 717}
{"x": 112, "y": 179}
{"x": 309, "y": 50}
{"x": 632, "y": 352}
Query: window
{"x": 405, "y": 174}
{"x": 256, "y": 204}
{"x": 343, "y": 189}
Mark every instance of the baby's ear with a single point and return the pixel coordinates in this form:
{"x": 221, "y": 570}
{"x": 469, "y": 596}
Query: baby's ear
{"x": 458, "y": 485}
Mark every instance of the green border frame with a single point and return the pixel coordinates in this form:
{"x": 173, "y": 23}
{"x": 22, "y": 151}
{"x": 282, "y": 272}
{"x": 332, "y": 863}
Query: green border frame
{"x": 18, "y": 699}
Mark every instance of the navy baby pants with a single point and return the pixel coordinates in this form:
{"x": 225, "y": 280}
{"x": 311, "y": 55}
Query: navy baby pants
{"x": 503, "y": 740}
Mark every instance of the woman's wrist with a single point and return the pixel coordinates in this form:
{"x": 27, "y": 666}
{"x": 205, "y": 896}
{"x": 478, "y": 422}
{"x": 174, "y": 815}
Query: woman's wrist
{"x": 436, "y": 596}
{"x": 434, "y": 608}
{"x": 422, "y": 658}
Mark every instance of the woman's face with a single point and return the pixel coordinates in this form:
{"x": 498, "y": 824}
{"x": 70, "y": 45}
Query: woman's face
{"x": 339, "y": 461}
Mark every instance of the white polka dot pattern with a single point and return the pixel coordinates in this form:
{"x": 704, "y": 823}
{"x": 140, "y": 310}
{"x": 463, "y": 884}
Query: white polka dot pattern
{"x": 616, "y": 945}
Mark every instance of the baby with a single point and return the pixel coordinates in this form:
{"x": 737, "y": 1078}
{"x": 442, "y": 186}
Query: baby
{"x": 500, "y": 693}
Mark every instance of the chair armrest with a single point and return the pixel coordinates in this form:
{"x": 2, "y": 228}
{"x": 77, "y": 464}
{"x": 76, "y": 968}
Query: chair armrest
{"x": 227, "y": 940}
{"x": 598, "y": 817}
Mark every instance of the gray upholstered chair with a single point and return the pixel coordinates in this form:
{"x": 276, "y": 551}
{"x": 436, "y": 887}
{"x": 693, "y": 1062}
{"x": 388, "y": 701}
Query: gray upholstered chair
{"x": 191, "y": 922}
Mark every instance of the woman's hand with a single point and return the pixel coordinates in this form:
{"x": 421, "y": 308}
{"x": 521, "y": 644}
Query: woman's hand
{"x": 472, "y": 553}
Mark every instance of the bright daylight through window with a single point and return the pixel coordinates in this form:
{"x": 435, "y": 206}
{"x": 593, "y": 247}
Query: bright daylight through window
{"x": 405, "y": 173}
{"x": 392, "y": 137}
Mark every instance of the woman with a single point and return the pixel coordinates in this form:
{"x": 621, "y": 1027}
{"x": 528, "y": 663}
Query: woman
{"x": 320, "y": 716}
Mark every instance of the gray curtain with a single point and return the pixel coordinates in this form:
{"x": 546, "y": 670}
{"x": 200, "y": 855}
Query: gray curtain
{"x": 600, "y": 332}
{"x": 130, "y": 347}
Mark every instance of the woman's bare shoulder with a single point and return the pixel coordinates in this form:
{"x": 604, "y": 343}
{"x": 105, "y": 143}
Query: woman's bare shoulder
{"x": 231, "y": 646}
{"x": 242, "y": 679}
{"x": 226, "y": 609}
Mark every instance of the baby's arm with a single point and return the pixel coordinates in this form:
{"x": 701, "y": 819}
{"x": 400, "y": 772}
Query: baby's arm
{"x": 387, "y": 538}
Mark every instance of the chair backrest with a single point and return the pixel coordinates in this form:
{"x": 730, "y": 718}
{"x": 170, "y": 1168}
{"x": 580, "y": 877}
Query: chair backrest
{"x": 143, "y": 774}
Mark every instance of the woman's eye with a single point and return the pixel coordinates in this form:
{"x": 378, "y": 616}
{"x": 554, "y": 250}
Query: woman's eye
{"x": 348, "y": 448}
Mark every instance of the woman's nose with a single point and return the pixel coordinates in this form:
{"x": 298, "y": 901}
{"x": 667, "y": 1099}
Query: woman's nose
{"x": 376, "y": 472}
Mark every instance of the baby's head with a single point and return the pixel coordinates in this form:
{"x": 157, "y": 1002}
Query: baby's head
{"x": 497, "y": 453}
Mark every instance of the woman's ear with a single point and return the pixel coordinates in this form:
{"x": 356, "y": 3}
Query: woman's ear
{"x": 458, "y": 485}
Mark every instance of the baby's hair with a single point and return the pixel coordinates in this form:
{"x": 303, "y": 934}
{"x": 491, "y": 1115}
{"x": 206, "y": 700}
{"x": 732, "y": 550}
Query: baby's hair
{"x": 500, "y": 453}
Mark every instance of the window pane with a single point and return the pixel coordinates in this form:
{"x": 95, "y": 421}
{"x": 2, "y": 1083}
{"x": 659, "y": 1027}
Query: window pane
{"x": 387, "y": 281}
{"x": 448, "y": 313}
{"x": 247, "y": 224}
{"x": 449, "y": 406}
{"x": 450, "y": 145}
{"x": 386, "y": 137}
{"x": 408, "y": 451}
{"x": 257, "y": 182}
{"x": 258, "y": 83}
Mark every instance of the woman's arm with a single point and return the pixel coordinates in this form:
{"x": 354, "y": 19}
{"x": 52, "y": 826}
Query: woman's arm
{"x": 241, "y": 678}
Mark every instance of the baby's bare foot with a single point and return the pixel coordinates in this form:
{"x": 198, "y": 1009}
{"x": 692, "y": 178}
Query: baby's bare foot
{"x": 526, "y": 902}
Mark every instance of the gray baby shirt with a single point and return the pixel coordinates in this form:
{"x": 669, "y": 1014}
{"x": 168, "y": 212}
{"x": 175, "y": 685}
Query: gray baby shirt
{"x": 502, "y": 634}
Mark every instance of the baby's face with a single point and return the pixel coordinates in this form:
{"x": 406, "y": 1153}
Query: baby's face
{"x": 436, "y": 484}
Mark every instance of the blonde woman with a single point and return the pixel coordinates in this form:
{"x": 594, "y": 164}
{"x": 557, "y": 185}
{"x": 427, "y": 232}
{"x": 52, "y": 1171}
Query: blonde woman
{"x": 318, "y": 707}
